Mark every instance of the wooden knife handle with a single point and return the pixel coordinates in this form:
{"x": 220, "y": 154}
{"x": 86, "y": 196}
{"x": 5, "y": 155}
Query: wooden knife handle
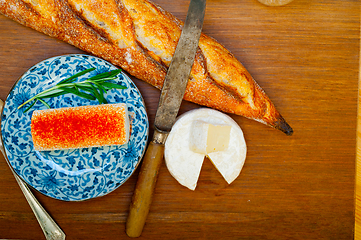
{"x": 143, "y": 193}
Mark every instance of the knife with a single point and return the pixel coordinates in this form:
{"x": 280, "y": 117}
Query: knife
{"x": 169, "y": 103}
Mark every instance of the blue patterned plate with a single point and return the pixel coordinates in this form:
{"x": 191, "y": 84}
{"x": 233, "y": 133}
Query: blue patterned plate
{"x": 80, "y": 174}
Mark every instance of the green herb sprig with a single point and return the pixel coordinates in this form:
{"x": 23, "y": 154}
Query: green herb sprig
{"x": 92, "y": 88}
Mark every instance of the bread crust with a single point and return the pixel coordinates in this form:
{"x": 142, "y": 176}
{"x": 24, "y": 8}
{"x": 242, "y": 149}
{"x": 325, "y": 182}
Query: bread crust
{"x": 140, "y": 37}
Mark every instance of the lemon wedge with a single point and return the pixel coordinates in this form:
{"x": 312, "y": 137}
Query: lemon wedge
{"x": 204, "y": 132}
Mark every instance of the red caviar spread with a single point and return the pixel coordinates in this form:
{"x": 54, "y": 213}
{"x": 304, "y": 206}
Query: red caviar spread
{"x": 80, "y": 127}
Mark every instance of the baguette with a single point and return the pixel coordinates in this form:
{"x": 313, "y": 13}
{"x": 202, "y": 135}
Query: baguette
{"x": 141, "y": 37}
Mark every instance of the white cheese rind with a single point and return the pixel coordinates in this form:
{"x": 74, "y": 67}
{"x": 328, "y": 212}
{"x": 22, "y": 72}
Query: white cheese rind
{"x": 185, "y": 164}
{"x": 198, "y": 137}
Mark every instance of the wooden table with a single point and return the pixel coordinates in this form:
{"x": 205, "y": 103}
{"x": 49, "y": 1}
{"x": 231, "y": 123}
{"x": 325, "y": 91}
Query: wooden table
{"x": 305, "y": 55}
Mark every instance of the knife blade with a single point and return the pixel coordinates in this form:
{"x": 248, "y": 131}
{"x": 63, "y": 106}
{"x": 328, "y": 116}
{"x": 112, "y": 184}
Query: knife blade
{"x": 169, "y": 103}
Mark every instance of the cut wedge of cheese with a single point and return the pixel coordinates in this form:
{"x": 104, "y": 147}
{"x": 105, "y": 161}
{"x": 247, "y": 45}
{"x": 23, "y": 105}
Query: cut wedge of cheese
{"x": 185, "y": 164}
{"x": 207, "y": 138}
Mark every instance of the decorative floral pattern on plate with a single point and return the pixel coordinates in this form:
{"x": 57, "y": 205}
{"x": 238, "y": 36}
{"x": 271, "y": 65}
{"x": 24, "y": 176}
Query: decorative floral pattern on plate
{"x": 77, "y": 174}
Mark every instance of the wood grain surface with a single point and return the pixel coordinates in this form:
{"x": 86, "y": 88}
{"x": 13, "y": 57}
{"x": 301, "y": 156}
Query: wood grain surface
{"x": 305, "y": 55}
{"x": 358, "y": 164}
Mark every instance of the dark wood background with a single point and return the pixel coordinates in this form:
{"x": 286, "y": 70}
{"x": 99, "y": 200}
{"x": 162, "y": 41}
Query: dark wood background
{"x": 305, "y": 56}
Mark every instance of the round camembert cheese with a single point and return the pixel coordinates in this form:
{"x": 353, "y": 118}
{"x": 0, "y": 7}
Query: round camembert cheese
{"x": 204, "y": 132}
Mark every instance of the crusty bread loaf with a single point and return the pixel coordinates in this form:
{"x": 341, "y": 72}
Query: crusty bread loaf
{"x": 80, "y": 127}
{"x": 141, "y": 37}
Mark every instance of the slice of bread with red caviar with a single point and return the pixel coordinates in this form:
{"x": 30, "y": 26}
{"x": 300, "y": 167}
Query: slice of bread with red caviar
{"x": 80, "y": 127}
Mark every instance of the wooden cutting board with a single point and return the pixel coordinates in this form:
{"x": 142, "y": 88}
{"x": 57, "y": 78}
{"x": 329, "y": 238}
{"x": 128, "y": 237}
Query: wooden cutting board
{"x": 305, "y": 56}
